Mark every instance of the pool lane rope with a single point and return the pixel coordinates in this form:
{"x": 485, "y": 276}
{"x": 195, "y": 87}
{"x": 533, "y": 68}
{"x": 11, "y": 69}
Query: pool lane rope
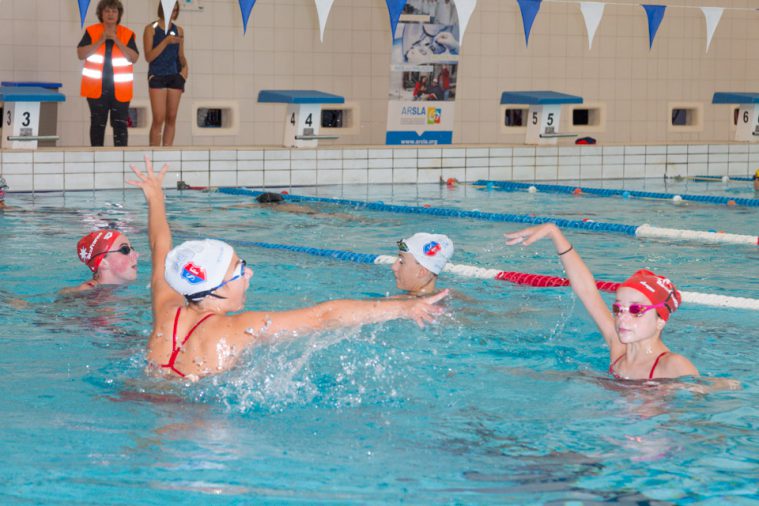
{"x": 608, "y": 192}
{"x": 518, "y": 278}
{"x": 644, "y": 231}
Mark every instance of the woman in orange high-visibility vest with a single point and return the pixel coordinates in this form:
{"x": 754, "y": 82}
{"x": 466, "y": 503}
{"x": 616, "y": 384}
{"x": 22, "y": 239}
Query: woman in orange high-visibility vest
{"x": 109, "y": 51}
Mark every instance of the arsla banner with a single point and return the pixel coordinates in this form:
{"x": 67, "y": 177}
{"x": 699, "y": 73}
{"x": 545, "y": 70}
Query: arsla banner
{"x": 423, "y": 74}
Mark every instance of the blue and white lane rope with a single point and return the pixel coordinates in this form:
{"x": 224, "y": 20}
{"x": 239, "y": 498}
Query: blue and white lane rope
{"x": 470, "y": 271}
{"x": 608, "y": 192}
{"x": 644, "y": 231}
{"x": 717, "y": 179}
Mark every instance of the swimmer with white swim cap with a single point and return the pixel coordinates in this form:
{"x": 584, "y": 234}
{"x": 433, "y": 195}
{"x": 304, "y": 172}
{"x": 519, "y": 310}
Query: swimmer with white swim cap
{"x": 196, "y": 285}
{"x": 421, "y": 258}
{"x": 110, "y": 256}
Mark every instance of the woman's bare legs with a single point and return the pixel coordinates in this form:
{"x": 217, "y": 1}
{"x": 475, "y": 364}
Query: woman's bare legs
{"x": 172, "y": 106}
{"x": 158, "y": 106}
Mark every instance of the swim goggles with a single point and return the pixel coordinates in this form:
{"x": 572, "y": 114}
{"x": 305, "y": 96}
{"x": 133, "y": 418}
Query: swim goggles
{"x": 124, "y": 250}
{"x": 402, "y": 246}
{"x": 637, "y": 310}
{"x": 206, "y": 293}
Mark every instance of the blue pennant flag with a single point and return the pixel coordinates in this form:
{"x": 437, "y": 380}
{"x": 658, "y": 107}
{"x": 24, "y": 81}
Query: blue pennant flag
{"x": 245, "y": 7}
{"x": 655, "y": 14}
{"x": 83, "y": 6}
{"x": 395, "y": 8}
{"x": 529, "y": 10}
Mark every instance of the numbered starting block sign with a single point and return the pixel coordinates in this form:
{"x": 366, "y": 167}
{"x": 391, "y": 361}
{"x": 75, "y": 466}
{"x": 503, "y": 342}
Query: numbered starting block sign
{"x": 21, "y": 115}
{"x": 544, "y": 115}
{"x": 747, "y": 122}
{"x": 304, "y": 114}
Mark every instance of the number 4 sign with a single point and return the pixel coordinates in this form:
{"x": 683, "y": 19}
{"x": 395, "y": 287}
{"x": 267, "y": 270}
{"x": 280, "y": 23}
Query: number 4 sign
{"x": 20, "y": 119}
{"x": 303, "y": 122}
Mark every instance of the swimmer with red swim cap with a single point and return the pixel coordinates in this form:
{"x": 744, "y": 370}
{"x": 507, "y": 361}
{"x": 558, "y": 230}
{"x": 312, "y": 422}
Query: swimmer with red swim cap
{"x": 632, "y": 329}
{"x": 109, "y": 255}
{"x": 197, "y": 285}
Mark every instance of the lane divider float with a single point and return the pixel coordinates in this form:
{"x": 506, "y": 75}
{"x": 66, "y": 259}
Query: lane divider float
{"x": 518, "y": 278}
{"x": 644, "y": 231}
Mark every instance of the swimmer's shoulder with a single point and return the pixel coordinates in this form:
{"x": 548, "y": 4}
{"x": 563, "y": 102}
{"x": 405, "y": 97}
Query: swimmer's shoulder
{"x": 84, "y": 287}
{"x": 674, "y": 365}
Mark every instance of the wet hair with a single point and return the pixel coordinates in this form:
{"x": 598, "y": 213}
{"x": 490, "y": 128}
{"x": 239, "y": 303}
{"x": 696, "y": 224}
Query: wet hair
{"x": 113, "y": 4}
{"x": 269, "y": 198}
{"x": 161, "y": 15}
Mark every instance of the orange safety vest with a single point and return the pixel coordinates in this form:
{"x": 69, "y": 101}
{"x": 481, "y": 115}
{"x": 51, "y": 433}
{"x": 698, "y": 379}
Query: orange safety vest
{"x": 123, "y": 73}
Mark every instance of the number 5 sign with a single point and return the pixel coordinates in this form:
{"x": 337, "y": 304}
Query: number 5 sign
{"x": 20, "y": 119}
{"x": 543, "y": 124}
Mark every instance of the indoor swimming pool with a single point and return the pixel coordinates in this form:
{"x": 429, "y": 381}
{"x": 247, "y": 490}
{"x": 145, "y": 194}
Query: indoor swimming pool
{"x": 505, "y": 400}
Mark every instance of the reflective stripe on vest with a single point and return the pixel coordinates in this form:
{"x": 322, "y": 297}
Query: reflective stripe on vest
{"x": 92, "y": 72}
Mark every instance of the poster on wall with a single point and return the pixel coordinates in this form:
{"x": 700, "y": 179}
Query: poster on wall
{"x": 423, "y": 74}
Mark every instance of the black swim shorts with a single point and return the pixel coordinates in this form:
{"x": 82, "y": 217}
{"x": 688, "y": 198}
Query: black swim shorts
{"x": 173, "y": 81}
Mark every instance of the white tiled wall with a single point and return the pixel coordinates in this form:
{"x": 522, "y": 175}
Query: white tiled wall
{"x": 87, "y": 169}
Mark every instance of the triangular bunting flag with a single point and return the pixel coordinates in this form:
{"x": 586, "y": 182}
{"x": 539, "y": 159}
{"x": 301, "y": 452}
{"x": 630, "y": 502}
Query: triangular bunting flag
{"x": 83, "y": 6}
{"x": 395, "y": 8}
{"x": 464, "y": 9}
{"x": 168, "y": 8}
{"x": 592, "y": 12}
{"x": 655, "y": 14}
{"x": 529, "y": 9}
{"x": 712, "y": 15}
{"x": 245, "y": 7}
{"x": 322, "y": 10}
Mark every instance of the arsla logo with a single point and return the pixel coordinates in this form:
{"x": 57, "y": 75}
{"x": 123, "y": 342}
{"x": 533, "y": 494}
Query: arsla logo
{"x": 194, "y": 274}
{"x": 433, "y": 115}
{"x": 431, "y": 249}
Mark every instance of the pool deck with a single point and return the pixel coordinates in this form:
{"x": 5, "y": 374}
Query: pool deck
{"x": 69, "y": 169}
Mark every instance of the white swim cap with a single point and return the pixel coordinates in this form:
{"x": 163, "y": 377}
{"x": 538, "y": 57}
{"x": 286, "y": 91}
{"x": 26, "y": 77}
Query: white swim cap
{"x": 197, "y": 266}
{"x": 432, "y": 251}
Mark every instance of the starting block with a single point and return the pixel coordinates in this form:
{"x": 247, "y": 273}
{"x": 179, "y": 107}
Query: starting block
{"x": 747, "y": 126}
{"x": 544, "y": 115}
{"x": 22, "y": 103}
{"x": 304, "y": 114}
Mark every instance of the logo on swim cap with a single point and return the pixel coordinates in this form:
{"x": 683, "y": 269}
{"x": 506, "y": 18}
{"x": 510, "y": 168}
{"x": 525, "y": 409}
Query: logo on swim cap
{"x": 193, "y": 274}
{"x": 431, "y": 248}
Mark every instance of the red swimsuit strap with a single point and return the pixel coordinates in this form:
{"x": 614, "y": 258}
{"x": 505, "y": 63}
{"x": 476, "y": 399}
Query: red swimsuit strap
{"x": 176, "y": 349}
{"x": 611, "y": 367}
{"x": 656, "y": 362}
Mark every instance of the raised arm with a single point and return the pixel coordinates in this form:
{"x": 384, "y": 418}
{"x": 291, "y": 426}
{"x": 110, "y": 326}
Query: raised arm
{"x": 582, "y": 280}
{"x": 159, "y": 233}
{"x": 338, "y": 314}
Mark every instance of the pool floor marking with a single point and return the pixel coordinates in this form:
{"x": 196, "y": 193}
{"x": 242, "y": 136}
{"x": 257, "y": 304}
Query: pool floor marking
{"x": 520, "y": 278}
{"x": 642, "y": 231}
{"x": 607, "y": 192}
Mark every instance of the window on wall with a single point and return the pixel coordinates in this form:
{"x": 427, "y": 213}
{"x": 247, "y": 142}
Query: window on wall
{"x": 682, "y": 117}
{"x": 685, "y": 117}
{"x": 210, "y": 117}
{"x": 515, "y": 118}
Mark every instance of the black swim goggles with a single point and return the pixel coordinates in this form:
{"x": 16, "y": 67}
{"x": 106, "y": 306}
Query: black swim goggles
{"x": 402, "y": 246}
{"x": 194, "y": 297}
{"x": 124, "y": 250}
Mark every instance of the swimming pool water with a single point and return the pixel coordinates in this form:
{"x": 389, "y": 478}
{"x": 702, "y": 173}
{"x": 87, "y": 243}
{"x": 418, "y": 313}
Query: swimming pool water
{"x": 504, "y": 401}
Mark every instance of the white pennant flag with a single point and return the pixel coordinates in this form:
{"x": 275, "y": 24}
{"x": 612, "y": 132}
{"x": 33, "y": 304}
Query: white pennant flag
{"x": 592, "y": 12}
{"x": 322, "y": 9}
{"x": 464, "y": 8}
{"x": 712, "y": 15}
{"x": 168, "y": 9}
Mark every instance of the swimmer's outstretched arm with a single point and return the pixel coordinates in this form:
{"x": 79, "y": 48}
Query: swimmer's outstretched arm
{"x": 343, "y": 313}
{"x": 582, "y": 280}
{"x": 159, "y": 233}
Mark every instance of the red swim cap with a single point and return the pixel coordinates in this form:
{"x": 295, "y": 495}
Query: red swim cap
{"x": 657, "y": 289}
{"x": 92, "y": 247}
